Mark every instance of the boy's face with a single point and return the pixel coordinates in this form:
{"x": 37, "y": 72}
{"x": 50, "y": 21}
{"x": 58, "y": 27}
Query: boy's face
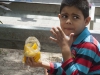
{"x": 72, "y": 20}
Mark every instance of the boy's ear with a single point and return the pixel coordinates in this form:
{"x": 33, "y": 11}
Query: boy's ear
{"x": 87, "y": 20}
{"x": 59, "y": 16}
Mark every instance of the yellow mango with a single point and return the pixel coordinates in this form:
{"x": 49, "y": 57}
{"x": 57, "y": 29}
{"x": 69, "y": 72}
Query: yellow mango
{"x": 37, "y": 56}
{"x": 32, "y": 50}
{"x": 34, "y": 47}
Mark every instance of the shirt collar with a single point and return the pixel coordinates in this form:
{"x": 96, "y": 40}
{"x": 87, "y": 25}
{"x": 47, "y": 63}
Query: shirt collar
{"x": 82, "y": 36}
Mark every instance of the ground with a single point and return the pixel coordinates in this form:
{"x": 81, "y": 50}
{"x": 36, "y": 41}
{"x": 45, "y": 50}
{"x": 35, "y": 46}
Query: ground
{"x": 11, "y": 62}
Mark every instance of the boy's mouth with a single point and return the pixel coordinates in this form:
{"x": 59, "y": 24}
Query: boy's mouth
{"x": 68, "y": 28}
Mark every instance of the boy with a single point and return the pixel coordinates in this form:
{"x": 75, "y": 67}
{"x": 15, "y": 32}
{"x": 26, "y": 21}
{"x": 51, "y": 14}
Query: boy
{"x": 80, "y": 50}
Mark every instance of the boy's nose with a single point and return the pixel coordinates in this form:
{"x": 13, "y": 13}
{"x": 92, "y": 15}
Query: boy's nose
{"x": 68, "y": 21}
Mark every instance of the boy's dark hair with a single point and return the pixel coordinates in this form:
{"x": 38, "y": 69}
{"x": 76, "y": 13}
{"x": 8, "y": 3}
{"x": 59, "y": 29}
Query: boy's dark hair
{"x": 82, "y": 5}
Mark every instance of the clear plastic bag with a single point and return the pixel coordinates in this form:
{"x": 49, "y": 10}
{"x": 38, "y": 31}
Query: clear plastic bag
{"x": 32, "y": 49}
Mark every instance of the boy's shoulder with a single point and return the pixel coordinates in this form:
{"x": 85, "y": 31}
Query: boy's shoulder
{"x": 92, "y": 40}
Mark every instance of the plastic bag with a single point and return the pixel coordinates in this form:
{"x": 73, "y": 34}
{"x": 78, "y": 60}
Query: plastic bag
{"x": 32, "y": 49}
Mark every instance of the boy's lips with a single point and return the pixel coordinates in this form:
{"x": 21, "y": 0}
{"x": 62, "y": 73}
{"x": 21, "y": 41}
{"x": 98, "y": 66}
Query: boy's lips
{"x": 68, "y": 28}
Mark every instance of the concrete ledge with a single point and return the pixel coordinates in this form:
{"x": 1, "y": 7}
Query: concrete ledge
{"x": 40, "y": 7}
{"x": 36, "y": 1}
{"x": 13, "y": 37}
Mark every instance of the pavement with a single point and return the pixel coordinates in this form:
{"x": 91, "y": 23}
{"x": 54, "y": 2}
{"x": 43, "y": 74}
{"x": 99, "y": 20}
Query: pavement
{"x": 11, "y": 62}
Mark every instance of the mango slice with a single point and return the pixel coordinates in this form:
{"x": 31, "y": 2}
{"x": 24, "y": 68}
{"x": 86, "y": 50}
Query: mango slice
{"x": 31, "y": 51}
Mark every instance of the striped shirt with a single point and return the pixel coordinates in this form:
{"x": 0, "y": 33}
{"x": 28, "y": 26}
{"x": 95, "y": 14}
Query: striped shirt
{"x": 86, "y": 57}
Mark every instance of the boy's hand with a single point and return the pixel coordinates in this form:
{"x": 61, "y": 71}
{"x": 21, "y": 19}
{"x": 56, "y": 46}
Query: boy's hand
{"x": 30, "y": 62}
{"x": 63, "y": 41}
{"x": 60, "y": 38}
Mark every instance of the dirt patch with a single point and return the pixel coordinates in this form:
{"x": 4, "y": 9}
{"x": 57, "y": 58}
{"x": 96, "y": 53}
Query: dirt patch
{"x": 11, "y": 62}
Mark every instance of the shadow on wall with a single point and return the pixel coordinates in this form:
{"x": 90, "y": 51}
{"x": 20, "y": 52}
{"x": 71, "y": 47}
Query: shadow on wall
{"x": 25, "y": 19}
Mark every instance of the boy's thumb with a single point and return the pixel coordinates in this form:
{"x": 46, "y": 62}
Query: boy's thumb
{"x": 71, "y": 36}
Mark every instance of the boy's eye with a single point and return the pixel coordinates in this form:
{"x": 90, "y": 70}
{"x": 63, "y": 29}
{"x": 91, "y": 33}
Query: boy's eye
{"x": 76, "y": 17}
{"x": 64, "y": 16}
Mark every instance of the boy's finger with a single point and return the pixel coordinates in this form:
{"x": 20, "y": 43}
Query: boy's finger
{"x": 53, "y": 39}
{"x": 71, "y": 35}
{"x": 29, "y": 61}
{"x": 53, "y": 32}
{"x": 26, "y": 61}
{"x": 32, "y": 61}
{"x": 61, "y": 32}
{"x": 56, "y": 30}
{"x": 58, "y": 34}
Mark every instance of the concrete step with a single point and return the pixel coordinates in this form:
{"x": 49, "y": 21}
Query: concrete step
{"x": 22, "y": 6}
{"x": 39, "y": 15}
{"x": 31, "y": 20}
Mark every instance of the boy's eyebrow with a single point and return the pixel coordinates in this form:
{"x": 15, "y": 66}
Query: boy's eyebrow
{"x": 71, "y": 14}
{"x": 75, "y": 14}
{"x": 64, "y": 13}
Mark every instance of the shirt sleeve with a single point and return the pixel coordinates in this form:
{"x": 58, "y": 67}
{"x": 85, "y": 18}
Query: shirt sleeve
{"x": 78, "y": 66}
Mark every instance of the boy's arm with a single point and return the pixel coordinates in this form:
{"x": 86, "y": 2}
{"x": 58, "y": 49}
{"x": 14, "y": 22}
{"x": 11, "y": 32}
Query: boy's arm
{"x": 66, "y": 52}
{"x": 45, "y": 65}
{"x": 79, "y": 65}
